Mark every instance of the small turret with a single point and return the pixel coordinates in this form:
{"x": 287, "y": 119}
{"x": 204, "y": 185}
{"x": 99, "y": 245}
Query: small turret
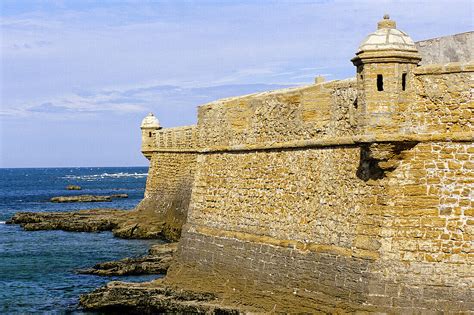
{"x": 149, "y": 126}
{"x": 385, "y": 61}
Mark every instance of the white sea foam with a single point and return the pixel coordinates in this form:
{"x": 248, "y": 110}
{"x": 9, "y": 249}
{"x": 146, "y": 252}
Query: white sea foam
{"x": 2, "y": 222}
{"x": 105, "y": 175}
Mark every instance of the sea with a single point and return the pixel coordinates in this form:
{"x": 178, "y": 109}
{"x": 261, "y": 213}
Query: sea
{"x": 37, "y": 268}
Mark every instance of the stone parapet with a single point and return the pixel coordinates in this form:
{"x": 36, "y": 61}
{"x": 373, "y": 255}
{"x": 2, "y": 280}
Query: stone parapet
{"x": 452, "y": 48}
{"x": 176, "y": 138}
{"x": 325, "y": 109}
{"x": 452, "y": 67}
{"x": 333, "y": 142}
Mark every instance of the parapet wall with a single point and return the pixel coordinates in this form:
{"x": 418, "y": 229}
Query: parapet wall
{"x": 176, "y": 138}
{"x": 294, "y": 114}
{"x": 294, "y": 210}
{"x": 454, "y": 48}
{"x": 444, "y": 99}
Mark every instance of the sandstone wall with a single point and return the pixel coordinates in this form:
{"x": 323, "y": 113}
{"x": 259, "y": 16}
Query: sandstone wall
{"x": 444, "y": 99}
{"x": 279, "y": 229}
{"x": 294, "y": 114}
{"x": 169, "y": 183}
{"x": 455, "y": 48}
{"x": 426, "y": 259}
{"x": 293, "y": 210}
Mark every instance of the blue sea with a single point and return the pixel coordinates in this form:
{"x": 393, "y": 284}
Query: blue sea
{"x": 37, "y": 268}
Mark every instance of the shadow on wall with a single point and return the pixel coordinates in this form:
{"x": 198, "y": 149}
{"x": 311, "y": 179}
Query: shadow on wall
{"x": 378, "y": 158}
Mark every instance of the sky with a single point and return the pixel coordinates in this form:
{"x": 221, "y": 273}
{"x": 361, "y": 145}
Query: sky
{"x": 77, "y": 77}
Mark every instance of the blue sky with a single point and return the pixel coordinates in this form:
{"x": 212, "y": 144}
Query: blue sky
{"x": 77, "y": 77}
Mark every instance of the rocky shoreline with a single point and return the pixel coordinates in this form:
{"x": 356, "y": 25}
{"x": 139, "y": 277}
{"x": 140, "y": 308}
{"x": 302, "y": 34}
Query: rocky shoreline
{"x": 87, "y": 198}
{"x": 157, "y": 261}
{"x": 151, "y": 298}
{"x": 122, "y": 223}
{"x": 132, "y": 298}
{"x": 95, "y": 220}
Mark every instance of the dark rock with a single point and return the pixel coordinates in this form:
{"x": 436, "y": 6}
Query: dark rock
{"x": 135, "y": 228}
{"x": 156, "y": 262}
{"x": 123, "y": 223}
{"x": 79, "y": 221}
{"x": 151, "y": 298}
{"x": 87, "y": 198}
{"x": 73, "y": 187}
{"x": 119, "y": 196}
{"x": 81, "y": 198}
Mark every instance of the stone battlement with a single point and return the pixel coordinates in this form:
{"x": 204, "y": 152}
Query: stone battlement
{"x": 178, "y": 138}
{"x": 234, "y": 124}
{"x": 452, "y": 67}
{"x": 454, "y": 48}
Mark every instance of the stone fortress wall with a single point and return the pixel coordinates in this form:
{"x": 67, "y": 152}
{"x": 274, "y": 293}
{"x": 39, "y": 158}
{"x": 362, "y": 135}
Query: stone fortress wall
{"x": 455, "y": 48}
{"x": 332, "y": 197}
{"x": 170, "y": 177}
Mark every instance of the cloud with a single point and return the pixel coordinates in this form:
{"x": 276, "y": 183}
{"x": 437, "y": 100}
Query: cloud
{"x": 49, "y": 108}
{"x": 31, "y": 45}
{"x": 98, "y": 103}
{"x": 161, "y": 98}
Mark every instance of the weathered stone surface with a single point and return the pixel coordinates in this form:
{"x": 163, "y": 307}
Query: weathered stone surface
{"x": 347, "y": 224}
{"x": 454, "y": 48}
{"x": 168, "y": 192}
{"x": 378, "y": 222}
{"x": 157, "y": 261}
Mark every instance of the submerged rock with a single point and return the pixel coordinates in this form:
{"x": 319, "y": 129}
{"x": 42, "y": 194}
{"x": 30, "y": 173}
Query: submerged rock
{"x": 87, "y": 198}
{"x": 156, "y": 262}
{"x": 73, "y": 187}
{"x": 151, "y": 298}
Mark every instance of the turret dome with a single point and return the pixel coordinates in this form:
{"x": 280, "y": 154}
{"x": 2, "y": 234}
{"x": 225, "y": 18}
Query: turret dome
{"x": 387, "y": 37}
{"x": 150, "y": 121}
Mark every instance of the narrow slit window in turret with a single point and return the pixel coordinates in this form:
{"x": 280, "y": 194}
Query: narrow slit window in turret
{"x": 404, "y": 81}
{"x": 379, "y": 82}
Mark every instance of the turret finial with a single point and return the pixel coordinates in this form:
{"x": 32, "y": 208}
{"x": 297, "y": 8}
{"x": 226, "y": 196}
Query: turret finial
{"x": 386, "y": 23}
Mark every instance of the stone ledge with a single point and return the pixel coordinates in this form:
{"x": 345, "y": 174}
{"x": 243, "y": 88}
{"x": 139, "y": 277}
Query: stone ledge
{"x": 176, "y": 138}
{"x": 312, "y": 247}
{"x": 333, "y": 84}
{"x": 452, "y": 67}
{"x": 332, "y": 142}
{"x": 177, "y": 129}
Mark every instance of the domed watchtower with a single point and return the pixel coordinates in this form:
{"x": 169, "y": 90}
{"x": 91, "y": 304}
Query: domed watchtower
{"x": 385, "y": 62}
{"x": 149, "y": 126}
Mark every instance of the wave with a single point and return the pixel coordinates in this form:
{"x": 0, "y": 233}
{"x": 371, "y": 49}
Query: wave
{"x": 2, "y": 222}
{"x": 105, "y": 175}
